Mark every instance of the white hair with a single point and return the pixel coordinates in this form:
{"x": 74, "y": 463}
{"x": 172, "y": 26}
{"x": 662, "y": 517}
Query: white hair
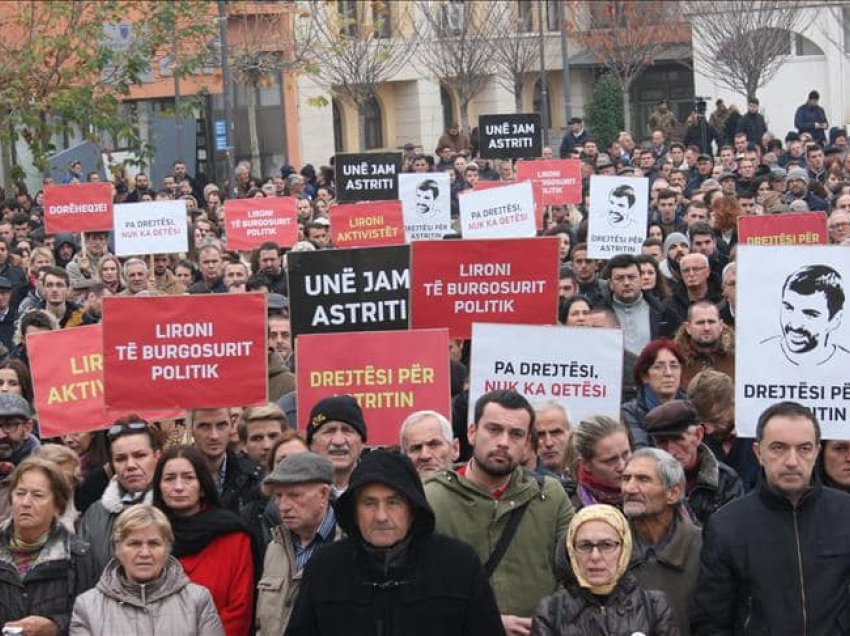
{"x": 548, "y": 405}
{"x": 418, "y": 416}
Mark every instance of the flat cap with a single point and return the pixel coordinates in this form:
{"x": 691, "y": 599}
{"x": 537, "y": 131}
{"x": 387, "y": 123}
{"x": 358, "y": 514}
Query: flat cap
{"x": 727, "y": 175}
{"x": 670, "y": 418}
{"x": 301, "y": 468}
{"x": 13, "y": 405}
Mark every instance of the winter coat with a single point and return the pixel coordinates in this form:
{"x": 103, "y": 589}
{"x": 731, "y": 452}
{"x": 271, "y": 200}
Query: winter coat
{"x": 675, "y": 307}
{"x": 570, "y": 142}
{"x": 805, "y": 119}
{"x": 242, "y": 478}
{"x": 63, "y": 569}
{"x": 167, "y": 606}
{"x": 673, "y": 569}
{"x": 633, "y": 412}
{"x": 627, "y": 610}
{"x": 721, "y": 359}
{"x": 426, "y": 584}
{"x": 526, "y": 572}
{"x": 754, "y": 126}
{"x": 96, "y": 526}
{"x": 767, "y": 567}
{"x": 701, "y": 134}
{"x": 716, "y": 485}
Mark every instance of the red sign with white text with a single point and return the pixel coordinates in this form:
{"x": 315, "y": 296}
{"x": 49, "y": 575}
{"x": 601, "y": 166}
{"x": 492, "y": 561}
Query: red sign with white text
{"x": 560, "y": 179}
{"x": 78, "y": 207}
{"x": 807, "y": 228}
{"x": 67, "y": 373}
{"x": 369, "y": 224}
{"x": 536, "y": 188}
{"x": 456, "y": 283}
{"x": 252, "y": 222}
{"x": 204, "y": 351}
{"x": 391, "y": 374}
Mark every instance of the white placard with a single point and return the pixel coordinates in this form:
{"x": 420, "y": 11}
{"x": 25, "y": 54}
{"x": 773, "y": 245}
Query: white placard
{"x": 617, "y": 220}
{"x": 793, "y": 334}
{"x": 426, "y": 202}
{"x": 579, "y": 367}
{"x": 502, "y": 212}
{"x": 154, "y": 227}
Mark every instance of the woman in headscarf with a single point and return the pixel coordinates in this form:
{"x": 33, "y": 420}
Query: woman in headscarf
{"x": 601, "y": 598}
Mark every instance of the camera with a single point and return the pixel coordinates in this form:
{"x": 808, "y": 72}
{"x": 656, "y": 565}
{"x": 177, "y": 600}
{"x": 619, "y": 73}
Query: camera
{"x": 700, "y": 104}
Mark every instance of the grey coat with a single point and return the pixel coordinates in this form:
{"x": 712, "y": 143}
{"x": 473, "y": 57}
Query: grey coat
{"x": 168, "y": 606}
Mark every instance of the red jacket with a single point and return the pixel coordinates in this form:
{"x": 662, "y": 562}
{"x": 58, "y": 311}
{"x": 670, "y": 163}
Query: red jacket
{"x": 226, "y": 569}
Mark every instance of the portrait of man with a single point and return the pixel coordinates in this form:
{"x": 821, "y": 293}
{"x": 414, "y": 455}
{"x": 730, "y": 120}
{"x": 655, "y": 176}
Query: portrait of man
{"x": 621, "y": 202}
{"x": 811, "y": 311}
{"x": 426, "y": 197}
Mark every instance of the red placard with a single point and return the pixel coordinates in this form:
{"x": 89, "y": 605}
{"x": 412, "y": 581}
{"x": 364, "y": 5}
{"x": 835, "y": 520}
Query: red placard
{"x": 78, "y": 207}
{"x": 67, "y": 374}
{"x": 456, "y": 283}
{"x": 370, "y": 224}
{"x": 252, "y": 222}
{"x": 560, "y": 179}
{"x": 806, "y": 228}
{"x": 390, "y": 373}
{"x": 536, "y": 188}
{"x": 204, "y": 351}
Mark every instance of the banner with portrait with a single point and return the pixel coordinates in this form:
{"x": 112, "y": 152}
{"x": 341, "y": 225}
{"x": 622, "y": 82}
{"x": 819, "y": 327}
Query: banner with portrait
{"x": 618, "y": 215}
{"x": 426, "y": 202}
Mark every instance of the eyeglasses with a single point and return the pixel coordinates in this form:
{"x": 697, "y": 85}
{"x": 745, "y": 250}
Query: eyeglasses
{"x": 11, "y": 425}
{"x": 123, "y": 429}
{"x": 660, "y": 367}
{"x": 604, "y": 547}
{"x": 693, "y": 270}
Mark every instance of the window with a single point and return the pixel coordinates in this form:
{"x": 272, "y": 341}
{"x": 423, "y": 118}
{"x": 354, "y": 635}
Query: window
{"x": 337, "y": 117}
{"x": 381, "y": 19}
{"x": 525, "y": 22}
{"x": 845, "y": 23}
{"x": 373, "y": 124}
{"x": 448, "y": 107}
{"x": 347, "y": 12}
{"x": 803, "y": 46}
{"x": 451, "y": 18}
{"x": 552, "y": 17}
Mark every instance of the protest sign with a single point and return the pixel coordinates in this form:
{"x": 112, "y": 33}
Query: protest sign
{"x": 363, "y": 289}
{"x": 201, "y": 351}
{"x": 792, "y": 336}
{"x": 808, "y": 228}
{"x": 369, "y": 224}
{"x": 78, "y": 207}
{"x": 618, "y": 216}
{"x": 560, "y": 179}
{"x": 154, "y": 227}
{"x": 456, "y": 283}
{"x": 67, "y": 374}
{"x": 371, "y": 176}
{"x": 580, "y": 368}
{"x": 426, "y": 203}
{"x": 252, "y": 222}
{"x": 506, "y": 212}
{"x": 510, "y": 136}
{"x": 536, "y": 188}
{"x": 391, "y": 374}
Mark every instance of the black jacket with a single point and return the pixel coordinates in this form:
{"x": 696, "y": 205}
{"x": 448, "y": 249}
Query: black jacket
{"x": 242, "y": 479}
{"x": 769, "y": 568}
{"x": 570, "y": 141}
{"x": 754, "y": 126}
{"x": 677, "y": 303}
{"x": 424, "y": 585}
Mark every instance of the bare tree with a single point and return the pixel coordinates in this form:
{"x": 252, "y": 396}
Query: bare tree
{"x": 359, "y": 46}
{"x": 516, "y": 48}
{"x": 267, "y": 44}
{"x": 743, "y": 43}
{"x": 626, "y": 36}
{"x": 459, "y": 39}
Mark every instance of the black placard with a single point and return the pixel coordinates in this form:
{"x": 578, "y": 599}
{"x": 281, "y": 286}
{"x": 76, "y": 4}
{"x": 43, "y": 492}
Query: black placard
{"x": 365, "y": 289}
{"x": 371, "y": 176}
{"x": 510, "y": 136}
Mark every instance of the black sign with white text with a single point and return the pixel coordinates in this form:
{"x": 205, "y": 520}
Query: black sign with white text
{"x": 510, "y": 136}
{"x": 369, "y": 176}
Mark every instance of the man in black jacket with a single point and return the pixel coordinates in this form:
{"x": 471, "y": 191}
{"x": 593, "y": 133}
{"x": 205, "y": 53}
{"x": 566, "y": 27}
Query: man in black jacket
{"x": 777, "y": 561}
{"x": 392, "y": 575}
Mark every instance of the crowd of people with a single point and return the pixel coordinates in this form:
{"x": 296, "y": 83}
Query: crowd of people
{"x": 264, "y": 520}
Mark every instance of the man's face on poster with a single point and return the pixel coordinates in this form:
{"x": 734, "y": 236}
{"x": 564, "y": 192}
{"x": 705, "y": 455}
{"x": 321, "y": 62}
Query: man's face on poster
{"x": 805, "y": 320}
{"x": 424, "y": 201}
{"x": 618, "y": 210}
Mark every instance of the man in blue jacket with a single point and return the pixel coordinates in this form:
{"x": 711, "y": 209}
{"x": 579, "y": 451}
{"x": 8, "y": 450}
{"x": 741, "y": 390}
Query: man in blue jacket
{"x": 811, "y": 118}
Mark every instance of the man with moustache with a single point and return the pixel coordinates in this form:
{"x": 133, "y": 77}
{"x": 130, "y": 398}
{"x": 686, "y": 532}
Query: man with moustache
{"x": 336, "y": 430}
{"x": 16, "y": 442}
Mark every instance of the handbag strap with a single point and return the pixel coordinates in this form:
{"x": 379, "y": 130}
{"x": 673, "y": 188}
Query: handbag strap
{"x": 515, "y": 516}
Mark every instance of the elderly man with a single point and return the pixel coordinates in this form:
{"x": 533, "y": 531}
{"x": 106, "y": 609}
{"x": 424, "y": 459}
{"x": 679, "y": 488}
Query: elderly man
{"x": 392, "y": 574}
{"x": 426, "y": 437}
{"x": 336, "y": 430}
{"x": 300, "y": 486}
{"x": 698, "y": 283}
{"x": 839, "y": 223}
{"x": 16, "y": 442}
{"x": 552, "y": 425}
{"x": 675, "y": 428}
{"x": 665, "y": 552}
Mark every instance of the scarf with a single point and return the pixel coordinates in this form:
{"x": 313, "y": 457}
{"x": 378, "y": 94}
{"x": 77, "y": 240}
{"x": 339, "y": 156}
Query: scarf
{"x": 615, "y": 519}
{"x": 193, "y": 534}
{"x": 593, "y": 491}
{"x": 24, "y": 554}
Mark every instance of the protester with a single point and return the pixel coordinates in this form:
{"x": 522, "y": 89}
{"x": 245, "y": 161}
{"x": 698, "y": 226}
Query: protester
{"x": 144, "y": 590}
{"x": 426, "y": 437}
{"x": 336, "y": 430}
{"x": 599, "y": 449}
{"x": 17, "y": 442}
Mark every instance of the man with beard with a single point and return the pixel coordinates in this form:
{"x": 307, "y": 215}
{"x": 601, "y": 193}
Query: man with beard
{"x": 666, "y": 546}
{"x": 336, "y": 430}
{"x": 426, "y": 438}
{"x": 271, "y": 265}
{"x": 491, "y": 501}
{"x": 16, "y": 442}
{"x": 812, "y": 309}
{"x": 426, "y": 197}
{"x": 621, "y": 200}
{"x": 706, "y": 342}
{"x": 713, "y": 395}
{"x": 709, "y": 483}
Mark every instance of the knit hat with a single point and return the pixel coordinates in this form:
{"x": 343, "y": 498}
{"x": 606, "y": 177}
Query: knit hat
{"x": 339, "y": 408}
{"x": 798, "y": 173}
{"x": 301, "y": 468}
{"x": 675, "y": 238}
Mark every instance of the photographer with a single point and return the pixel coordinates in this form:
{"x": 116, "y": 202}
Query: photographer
{"x": 700, "y": 133}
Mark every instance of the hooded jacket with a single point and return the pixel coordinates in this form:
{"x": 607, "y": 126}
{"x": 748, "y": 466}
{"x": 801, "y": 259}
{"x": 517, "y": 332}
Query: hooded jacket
{"x": 423, "y": 585}
{"x": 168, "y": 606}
